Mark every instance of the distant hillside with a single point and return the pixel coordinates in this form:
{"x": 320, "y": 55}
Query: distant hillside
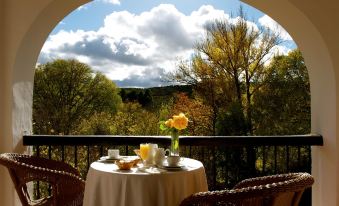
{"x": 161, "y": 91}
{"x": 170, "y": 90}
{"x": 157, "y": 95}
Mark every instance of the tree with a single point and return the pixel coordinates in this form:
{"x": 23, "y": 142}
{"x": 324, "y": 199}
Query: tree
{"x": 132, "y": 119}
{"x": 228, "y": 65}
{"x": 231, "y": 122}
{"x": 227, "y": 69}
{"x": 132, "y": 96}
{"x": 66, "y": 92}
{"x": 145, "y": 98}
{"x": 97, "y": 124}
{"x": 208, "y": 85}
{"x": 282, "y": 105}
{"x": 123, "y": 95}
{"x": 198, "y": 114}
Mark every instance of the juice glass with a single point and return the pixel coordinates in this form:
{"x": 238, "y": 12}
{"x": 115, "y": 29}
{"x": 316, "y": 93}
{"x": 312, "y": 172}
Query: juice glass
{"x": 144, "y": 150}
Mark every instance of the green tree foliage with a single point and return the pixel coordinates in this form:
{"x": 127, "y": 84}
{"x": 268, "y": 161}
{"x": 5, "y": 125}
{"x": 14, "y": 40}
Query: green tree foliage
{"x": 165, "y": 111}
{"x": 122, "y": 94}
{"x": 132, "y": 119}
{"x": 231, "y": 122}
{"x": 145, "y": 98}
{"x": 66, "y": 92}
{"x": 228, "y": 66}
{"x": 141, "y": 96}
{"x": 282, "y": 105}
{"x": 132, "y": 96}
{"x": 97, "y": 124}
{"x": 199, "y": 115}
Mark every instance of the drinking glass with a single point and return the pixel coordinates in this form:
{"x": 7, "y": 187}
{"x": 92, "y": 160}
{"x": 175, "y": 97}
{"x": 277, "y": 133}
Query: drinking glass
{"x": 144, "y": 150}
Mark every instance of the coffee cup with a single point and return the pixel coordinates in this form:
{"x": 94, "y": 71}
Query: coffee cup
{"x": 173, "y": 160}
{"x": 113, "y": 153}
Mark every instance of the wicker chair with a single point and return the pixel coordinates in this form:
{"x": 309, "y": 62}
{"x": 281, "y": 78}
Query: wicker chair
{"x": 275, "y": 190}
{"x": 66, "y": 185}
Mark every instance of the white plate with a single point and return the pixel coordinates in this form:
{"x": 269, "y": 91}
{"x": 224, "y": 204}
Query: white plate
{"x": 166, "y": 167}
{"x": 107, "y": 158}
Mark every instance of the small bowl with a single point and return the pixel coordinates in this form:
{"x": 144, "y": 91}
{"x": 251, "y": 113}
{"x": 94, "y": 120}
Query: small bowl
{"x": 134, "y": 159}
{"x": 124, "y": 164}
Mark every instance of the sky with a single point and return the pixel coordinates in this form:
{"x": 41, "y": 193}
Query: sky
{"x": 135, "y": 43}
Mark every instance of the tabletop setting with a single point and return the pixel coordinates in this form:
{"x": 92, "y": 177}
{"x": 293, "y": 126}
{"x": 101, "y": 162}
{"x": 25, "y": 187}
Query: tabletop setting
{"x": 153, "y": 176}
{"x": 148, "y": 156}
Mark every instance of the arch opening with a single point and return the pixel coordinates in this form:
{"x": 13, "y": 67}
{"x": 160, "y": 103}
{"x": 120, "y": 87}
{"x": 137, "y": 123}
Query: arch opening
{"x": 322, "y": 82}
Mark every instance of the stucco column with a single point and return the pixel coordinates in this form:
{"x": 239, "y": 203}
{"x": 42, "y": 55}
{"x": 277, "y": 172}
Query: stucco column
{"x": 6, "y": 188}
{"x": 24, "y": 25}
{"x": 311, "y": 26}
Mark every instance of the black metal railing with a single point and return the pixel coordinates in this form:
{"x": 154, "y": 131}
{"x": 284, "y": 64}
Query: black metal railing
{"x": 227, "y": 159}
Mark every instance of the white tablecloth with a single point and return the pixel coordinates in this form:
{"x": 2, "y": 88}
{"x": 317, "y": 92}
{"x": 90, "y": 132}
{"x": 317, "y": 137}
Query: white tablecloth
{"x": 106, "y": 185}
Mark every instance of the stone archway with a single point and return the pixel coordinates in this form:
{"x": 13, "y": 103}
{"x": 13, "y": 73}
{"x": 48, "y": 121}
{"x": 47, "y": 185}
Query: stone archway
{"x": 34, "y": 20}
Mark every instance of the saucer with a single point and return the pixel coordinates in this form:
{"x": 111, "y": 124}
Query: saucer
{"x": 107, "y": 158}
{"x": 172, "y": 167}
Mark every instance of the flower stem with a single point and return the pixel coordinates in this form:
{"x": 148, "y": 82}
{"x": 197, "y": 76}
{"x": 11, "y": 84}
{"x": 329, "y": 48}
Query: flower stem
{"x": 175, "y": 143}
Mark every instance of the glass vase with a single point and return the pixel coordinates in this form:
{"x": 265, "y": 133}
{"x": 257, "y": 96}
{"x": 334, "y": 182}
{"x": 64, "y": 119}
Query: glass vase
{"x": 175, "y": 143}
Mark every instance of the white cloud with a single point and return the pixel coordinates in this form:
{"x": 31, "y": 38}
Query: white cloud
{"x": 111, "y": 1}
{"x": 83, "y": 7}
{"x": 203, "y": 16}
{"x": 128, "y": 46}
{"x": 276, "y": 50}
{"x": 280, "y": 50}
{"x": 274, "y": 26}
{"x": 139, "y": 48}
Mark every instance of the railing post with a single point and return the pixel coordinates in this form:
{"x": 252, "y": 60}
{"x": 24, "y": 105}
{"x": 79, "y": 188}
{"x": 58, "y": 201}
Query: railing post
{"x": 287, "y": 158}
{"x": 251, "y": 160}
{"x": 62, "y": 153}
{"x": 263, "y": 159}
{"x": 299, "y": 157}
{"x": 275, "y": 159}
{"x": 101, "y": 150}
{"x": 214, "y": 168}
{"x": 75, "y": 156}
{"x": 88, "y": 157}
{"x": 37, "y": 182}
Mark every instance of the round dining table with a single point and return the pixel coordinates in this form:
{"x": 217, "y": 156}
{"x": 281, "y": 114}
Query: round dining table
{"x": 106, "y": 185}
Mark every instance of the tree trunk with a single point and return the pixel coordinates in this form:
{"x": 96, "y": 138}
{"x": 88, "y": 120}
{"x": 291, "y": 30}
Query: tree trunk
{"x": 249, "y": 106}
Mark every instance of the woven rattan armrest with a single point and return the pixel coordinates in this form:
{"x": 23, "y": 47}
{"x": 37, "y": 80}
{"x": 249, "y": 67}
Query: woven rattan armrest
{"x": 40, "y": 162}
{"x": 272, "y": 180}
{"x": 256, "y": 191}
{"x": 66, "y": 184}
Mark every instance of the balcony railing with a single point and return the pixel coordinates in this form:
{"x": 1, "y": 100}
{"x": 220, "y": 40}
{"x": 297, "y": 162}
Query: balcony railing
{"x": 227, "y": 159}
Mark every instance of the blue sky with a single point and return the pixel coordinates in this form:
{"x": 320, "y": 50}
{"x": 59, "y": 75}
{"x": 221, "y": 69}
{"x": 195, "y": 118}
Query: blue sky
{"x": 135, "y": 43}
{"x": 91, "y": 15}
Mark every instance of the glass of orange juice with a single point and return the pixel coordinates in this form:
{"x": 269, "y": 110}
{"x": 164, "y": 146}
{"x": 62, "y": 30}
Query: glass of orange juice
{"x": 144, "y": 149}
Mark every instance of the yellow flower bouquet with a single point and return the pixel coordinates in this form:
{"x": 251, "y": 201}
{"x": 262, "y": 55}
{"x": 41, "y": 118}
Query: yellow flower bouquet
{"x": 174, "y": 125}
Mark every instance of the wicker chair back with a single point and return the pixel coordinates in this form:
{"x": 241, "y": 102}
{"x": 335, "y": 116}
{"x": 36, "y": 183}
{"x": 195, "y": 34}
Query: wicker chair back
{"x": 67, "y": 187}
{"x": 275, "y": 190}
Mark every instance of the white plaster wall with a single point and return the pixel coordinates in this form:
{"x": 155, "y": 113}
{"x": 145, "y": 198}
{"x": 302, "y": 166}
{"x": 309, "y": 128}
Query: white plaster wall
{"x": 325, "y": 17}
{"x": 312, "y": 25}
{"x": 6, "y": 186}
{"x": 25, "y": 26}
